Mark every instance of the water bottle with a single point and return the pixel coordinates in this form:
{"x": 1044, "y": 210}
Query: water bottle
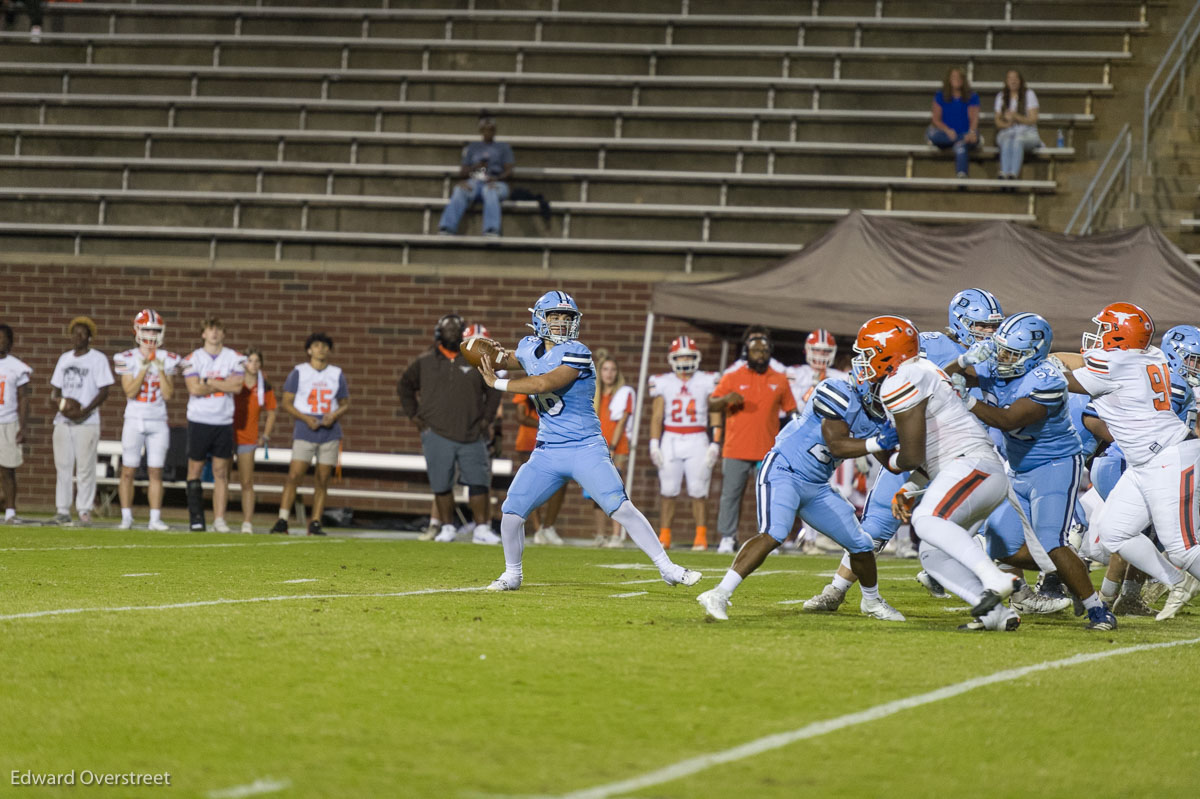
{"x": 1061, "y": 141}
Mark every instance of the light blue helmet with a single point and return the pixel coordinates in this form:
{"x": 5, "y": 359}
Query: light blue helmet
{"x": 1181, "y": 345}
{"x": 555, "y": 301}
{"x": 973, "y": 308}
{"x": 1022, "y": 342}
{"x": 868, "y": 395}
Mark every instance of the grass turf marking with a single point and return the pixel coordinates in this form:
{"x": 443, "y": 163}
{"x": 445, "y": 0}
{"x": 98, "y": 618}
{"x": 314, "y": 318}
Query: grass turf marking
{"x": 694, "y": 765}
{"x": 256, "y": 788}
{"x": 627, "y": 596}
{"x": 174, "y": 546}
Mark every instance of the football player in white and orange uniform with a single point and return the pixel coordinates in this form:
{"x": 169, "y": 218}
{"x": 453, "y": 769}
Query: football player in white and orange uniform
{"x": 147, "y": 377}
{"x": 1129, "y": 381}
{"x": 679, "y": 442}
{"x": 950, "y": 456}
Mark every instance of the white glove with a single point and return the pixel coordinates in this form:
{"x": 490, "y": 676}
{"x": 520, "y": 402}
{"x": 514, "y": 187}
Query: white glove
{"x": 862, "y": 465}
{"x": 656, "y": 453}
{"x": 959, "y": 383}
{"x": 712, "y": 455}
{"x": 979, "y": 352}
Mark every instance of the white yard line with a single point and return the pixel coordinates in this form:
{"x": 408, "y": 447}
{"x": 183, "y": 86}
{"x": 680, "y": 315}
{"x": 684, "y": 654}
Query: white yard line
{"x": 300, "y": 580}
{"x": 174, "y": 546}
{"x": 627, "y": 596}
{"x": 685, "y": 768}
{"x": 141, "y": 574}
{"x": 256, "y": 788}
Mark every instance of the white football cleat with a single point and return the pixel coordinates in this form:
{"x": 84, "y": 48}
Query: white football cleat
{"x": 126, "y": 524}
{"x": 219, "y": 525}
{"x": 1026, "y": 600}
{"x": 1178, "y": 597}
{"x": 934, "y": 588}
{"x": 1154, "y": 591}
{"x": 548, "y": 536}
{"x": 448, "y": 534}
{"x": 158, "y": 525}
{"x": 482, "y": 534}
{"x": 829, "y": 600}
{"x": 715, "y": 603}
{"x": 248, "y": 527}
{"x": 677, "y": 575}
{"x": 429, "y": 533}
{"x": 727, "y": 546}
{"x": 505, "y": 582}
{"x": 880, "y": 609}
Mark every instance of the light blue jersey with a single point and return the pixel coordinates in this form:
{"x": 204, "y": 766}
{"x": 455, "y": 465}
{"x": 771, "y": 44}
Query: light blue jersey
{"x": 570, "y": 445}
{"x": 1078, "y": 406}
{"x": 1052, "y": 438}
{"x": 568, "y": 414}
{"x": 940, "y": 350}
{"x": 801, "y": 443}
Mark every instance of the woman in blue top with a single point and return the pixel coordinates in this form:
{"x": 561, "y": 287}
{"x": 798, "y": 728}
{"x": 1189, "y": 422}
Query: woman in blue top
{"x": 955, "y": 119}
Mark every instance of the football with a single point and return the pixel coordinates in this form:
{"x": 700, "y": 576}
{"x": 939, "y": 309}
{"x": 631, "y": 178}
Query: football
{"x": 69, "y": 405}
{"x": 477, "y": 349}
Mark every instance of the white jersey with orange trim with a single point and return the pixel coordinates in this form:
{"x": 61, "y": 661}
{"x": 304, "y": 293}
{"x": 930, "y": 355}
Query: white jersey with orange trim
{"x": 685, "y": 402}
{"x": 804, "y": 378}
{"x": 951, "y": 431}
{"x": 149, "y": 404}
{"x": 215, "y": 408}
{"x": 1131, "y": 392}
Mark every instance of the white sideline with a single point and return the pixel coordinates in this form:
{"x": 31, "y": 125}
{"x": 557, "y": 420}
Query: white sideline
{"x": 259, "y": 786}
{"x": 693, "y": 765}
{"x": 176, "y": 546}
{"x": 627, "y": 596}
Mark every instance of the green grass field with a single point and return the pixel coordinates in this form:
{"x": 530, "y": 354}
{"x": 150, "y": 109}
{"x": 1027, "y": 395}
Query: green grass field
{"x": 356, "y": 684}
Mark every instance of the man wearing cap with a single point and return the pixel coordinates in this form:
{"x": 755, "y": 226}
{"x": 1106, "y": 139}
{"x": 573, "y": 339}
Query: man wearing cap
{"x": 486, "y": 166}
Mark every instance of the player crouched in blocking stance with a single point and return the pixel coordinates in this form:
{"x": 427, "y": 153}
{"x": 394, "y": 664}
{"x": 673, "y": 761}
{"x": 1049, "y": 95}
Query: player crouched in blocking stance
{"x": 561, "y": 380}
{"x": 679, "y": 442}
{"x": 841, "y": 420}
{"x": 950, "y": 455}
{"x": 1130, "y": 384}
{"x": 146, "y": 373}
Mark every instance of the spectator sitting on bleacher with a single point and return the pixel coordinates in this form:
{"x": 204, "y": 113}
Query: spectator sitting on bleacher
{"x": 1016, "y": 124}
{"x": 33, "y": 8}
{"x": 486, "y": 165}
{"x": 955, "y": 119}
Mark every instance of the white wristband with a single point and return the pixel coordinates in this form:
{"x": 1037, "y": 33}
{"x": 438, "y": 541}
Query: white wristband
{"x": 873, "y": 445}
{"x": 959, "y": 361}
{"x": 893, "y": 463}
{"x": 501, "y": 384}
{"x": 971, "y": 402}
{"x": 654, "y": 443}
{"x": 62, "y": 403}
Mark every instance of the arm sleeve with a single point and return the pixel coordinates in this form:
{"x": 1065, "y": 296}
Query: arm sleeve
{"x": 1031, "y": 100}
{"x": 56, "y": 379}
{"x": 25, "y": 375}
{"x": 509, "y": 159}
{"x": 577, "y": 356}
{"x": 239, "y": 365}
{"x": 906, "y": 389}
{"x": 724, "y": 385}
{"x": 410, "y": 384}
{"x": 466, "y": 155}
{"x": 1050, "y": 389}
{"x": 999, "y": 101}
{"x": 269, "y": 402}
{"x": 343, "y": 391}
{"x": 121, "y": 365}
{"x": 189, "y": 367}
{"x": 104, "y": 375}
{"x": 974, "y": 99}
{"x": 292, "y": 383}
{"x": 652, "y": 387}
{"x": 1094, "y": 375}
{"x": 830, "y": 402}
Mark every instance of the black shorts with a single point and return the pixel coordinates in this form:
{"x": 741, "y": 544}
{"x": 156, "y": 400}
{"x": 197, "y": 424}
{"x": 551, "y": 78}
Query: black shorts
{"x": 209, "y": 439}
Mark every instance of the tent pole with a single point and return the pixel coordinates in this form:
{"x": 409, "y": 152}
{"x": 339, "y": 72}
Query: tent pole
{"x": 643, "y": 377}
{"x": 724, "y": 356}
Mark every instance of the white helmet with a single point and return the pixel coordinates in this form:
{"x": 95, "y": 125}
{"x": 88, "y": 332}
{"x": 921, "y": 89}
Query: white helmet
{"x": 148, "y": 328}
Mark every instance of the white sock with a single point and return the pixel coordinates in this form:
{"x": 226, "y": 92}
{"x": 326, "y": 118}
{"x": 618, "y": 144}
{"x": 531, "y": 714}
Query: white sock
{"x": 1109, "y": 587}
{"x": 642, "y": 533}
{"x": 156, "y": 514}
{"x": 955, "y": 542}
{"x": 9, "y": 513}
{"x": 284, "y": 513}
{"x": 871, "y": 593}
{"x": 954, "y": 577}
{"x": 730, "y": 582}
{"x": 845, "y": 564}
{"x": 841, "y": 583}
{"x": 435, "y": 522}
{"x": 1141, "y": 552}
{"x": 1092, "y": 601}
{"x": 512, "y": 539}
{"x": 126, "y": 514}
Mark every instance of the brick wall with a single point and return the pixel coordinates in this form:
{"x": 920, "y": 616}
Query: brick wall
{"x": 380, "y": 323}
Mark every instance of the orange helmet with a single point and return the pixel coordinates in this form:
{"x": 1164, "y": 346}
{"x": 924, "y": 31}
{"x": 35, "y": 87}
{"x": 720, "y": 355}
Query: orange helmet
{"x": 684, "y": 356}
{"x": 475, "y": 329}
{"x": 148, "y": 328}
{"x": 883, "y": 344}
{"x": 1120, "y": 326}
{"x": 820, "y": 349}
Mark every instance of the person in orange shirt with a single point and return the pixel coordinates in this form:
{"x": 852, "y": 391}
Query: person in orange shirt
{"x": 256, "y": 396}
{"x": 614, "y": 400}
{"x": 753, "y": 396}
{"x": 527, "y": 427}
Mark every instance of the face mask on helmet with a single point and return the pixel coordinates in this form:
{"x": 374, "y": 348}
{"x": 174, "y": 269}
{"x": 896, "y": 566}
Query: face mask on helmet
{"x": 1181, "y": 345}
{"x": 565, "y": 325}
{"x": 820, "y": 349}
{"x": 149, "y": 329}
{"x": 868, "y": 395}
{"x": 684, "y": 362}
{"x": 1022, "y": 342}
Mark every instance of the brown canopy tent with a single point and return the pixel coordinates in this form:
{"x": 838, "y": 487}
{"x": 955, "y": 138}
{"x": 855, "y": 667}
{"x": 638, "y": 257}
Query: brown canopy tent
{"x": 869, "y": 265}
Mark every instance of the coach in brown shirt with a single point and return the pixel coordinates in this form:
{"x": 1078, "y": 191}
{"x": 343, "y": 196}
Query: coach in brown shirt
{"x": 453, "y": 409}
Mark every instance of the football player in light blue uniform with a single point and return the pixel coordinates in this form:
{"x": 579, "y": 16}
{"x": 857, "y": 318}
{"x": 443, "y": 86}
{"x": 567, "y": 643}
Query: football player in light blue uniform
{"x": 1026, "y": 398}
{"x": 842, "y": 419}
{"x": 561, "y": 381}
{"x": 974, "y": 314}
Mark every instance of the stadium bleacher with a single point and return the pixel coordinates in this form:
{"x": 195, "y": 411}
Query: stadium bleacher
{"x": 697, "y": 138}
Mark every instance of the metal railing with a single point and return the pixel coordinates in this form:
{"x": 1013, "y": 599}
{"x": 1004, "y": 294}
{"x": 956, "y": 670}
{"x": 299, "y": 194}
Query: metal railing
{"x": 1093, "y": 198}
{"x": 1176, "y": 56}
